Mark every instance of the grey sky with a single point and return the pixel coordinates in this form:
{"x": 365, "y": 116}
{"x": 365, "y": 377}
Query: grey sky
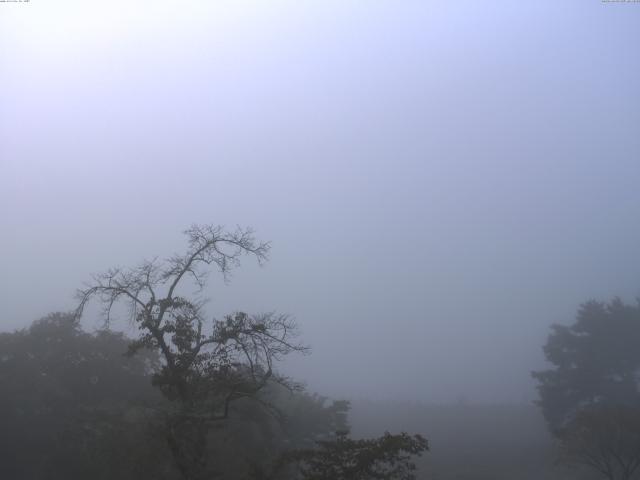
{"x": 440, "y": 180}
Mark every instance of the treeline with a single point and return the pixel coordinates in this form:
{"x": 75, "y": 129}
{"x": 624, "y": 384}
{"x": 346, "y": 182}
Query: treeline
{"x": 194, "y": 399}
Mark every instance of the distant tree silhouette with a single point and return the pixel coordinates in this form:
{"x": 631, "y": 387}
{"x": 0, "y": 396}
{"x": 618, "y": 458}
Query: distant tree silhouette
{"x": 205, "y": 369}
{"x": 591, "y": 397}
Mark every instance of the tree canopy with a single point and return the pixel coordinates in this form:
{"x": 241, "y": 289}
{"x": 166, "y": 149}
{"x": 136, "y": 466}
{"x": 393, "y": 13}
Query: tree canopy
{"x": 591, "y": 396}
{"x": 595, "y": 361}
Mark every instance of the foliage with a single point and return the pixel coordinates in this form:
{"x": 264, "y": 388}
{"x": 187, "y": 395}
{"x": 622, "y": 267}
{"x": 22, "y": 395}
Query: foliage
{"x": 342, "y": 458}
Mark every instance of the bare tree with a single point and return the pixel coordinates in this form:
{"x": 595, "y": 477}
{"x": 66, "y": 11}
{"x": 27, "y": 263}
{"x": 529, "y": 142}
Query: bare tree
{"x": 204, "y": 369}
{"x": 606, "y": 439}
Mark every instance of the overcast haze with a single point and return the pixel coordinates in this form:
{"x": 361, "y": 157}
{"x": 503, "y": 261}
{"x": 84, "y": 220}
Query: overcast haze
{"x": 441, "y": 181}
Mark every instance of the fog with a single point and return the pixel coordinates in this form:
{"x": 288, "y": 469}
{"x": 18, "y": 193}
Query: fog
{"x": 440, "y": 181}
